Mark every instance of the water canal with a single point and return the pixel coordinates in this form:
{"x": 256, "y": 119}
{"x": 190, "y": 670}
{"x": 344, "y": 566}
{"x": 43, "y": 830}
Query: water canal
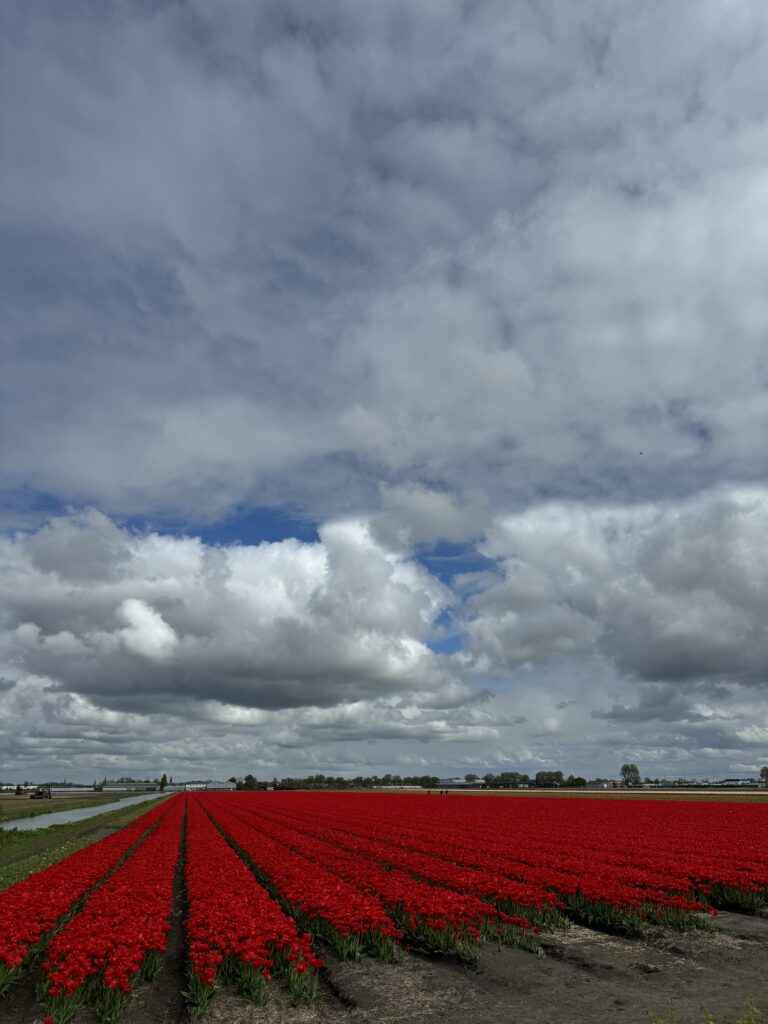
{"x": 76, "y": 814}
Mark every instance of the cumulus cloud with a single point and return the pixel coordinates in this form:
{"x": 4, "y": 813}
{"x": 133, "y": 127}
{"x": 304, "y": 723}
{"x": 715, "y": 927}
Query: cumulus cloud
{"x": 276, "y": 625}
{"x": 590, "y": 627}
{"x": 146, "y": 632}
{"x": 672, "y": 592}
{"x": 415, "y": 514}
{"x": 119, "y": 645}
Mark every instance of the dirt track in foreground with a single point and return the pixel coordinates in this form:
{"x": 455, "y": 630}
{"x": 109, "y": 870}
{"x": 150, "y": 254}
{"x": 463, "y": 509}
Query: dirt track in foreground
{"x": 586, "y": 976}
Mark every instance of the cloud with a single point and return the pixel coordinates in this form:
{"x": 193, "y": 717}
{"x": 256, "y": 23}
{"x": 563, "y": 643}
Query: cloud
{"x": 277, "y": 625}
{"x": 415, "y": 514}
{"x": 292, "y": 656}
{"x": 672, "y": 593}
{"x": 427, "y": 260}
{"x": 481, "y": 283}
{"x": 146, "y": 633}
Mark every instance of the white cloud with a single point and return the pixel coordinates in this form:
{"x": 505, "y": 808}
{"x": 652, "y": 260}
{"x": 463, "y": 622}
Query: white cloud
{"x": 423, "y": 273}
{"x": 415, "y": 514}
{"x": 277, "y": 625}
{"x": 666, "y": 592}
{"x": 147, "y": 632}
{"x": 297, "y": 657}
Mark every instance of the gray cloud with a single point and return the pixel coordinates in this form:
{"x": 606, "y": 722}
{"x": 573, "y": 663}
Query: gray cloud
{"x": 466, "y": 273}
{"x": 313, "y": 656}
{"x": 278, "y": 625}
{"x": 672, "y": 592}
{"x": 472, "y": 253}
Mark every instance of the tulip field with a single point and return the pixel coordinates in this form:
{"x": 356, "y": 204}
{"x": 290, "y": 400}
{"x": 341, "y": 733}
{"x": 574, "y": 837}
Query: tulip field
{"x": 272, "y": 884}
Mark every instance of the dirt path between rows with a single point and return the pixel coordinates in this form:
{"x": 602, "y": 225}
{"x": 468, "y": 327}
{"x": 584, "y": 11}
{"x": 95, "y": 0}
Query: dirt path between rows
{"x": 586, "y": 976}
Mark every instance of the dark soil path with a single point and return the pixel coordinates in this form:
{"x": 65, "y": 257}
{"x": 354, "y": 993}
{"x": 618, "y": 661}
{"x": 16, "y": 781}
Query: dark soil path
{"x": 162, "y": 1001}
{"x": 586, "y": 976}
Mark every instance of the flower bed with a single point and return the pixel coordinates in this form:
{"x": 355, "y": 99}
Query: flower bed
{"x": 235, "y": 930}
{"x": 31, "y": 909}
{"x": 120, "y": 934}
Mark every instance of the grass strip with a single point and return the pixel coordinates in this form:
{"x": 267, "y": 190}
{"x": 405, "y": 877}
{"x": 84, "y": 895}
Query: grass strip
{"x": 23, "y": 853}
{"x": 11, "y": 810}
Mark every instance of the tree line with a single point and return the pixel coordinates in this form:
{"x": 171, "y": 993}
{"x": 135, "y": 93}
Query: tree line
{"x": 629, "y": 775}
{"x": 504, "y": 780}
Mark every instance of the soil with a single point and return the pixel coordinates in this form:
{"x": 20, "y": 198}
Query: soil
{"x": 585, "y": 976}
{"x": 162, "y": 1001}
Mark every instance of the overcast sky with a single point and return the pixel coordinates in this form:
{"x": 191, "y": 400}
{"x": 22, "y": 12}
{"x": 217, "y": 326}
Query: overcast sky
{"x": 384, "y": 387}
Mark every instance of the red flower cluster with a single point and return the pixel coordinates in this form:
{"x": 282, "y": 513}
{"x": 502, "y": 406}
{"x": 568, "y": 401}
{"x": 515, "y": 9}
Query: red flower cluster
{"x": 619, "y": 895}
{"x": 31, "y": 908}
{"x": 436, "y": 918}
{"x": 362, "y": 871}
{"x": 122, "y": 922}
{"x": 606, "y": 860}
{"x": 323, "y": 900}
{"x": 231, "y": 916}
{"x": 396, "y": 848}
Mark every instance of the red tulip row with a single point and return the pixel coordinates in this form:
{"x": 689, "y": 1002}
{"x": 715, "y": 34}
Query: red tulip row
{"x": 686, "y": 847}
{"x": 351, "y": 920}
{"x": 590, "y": 889}
{"x": 434, "y": 919}
{"x": 537, "y": 904}
{"x": 234, "y": 928}
{"x": 363, "y": 871}
{"x": 120, "y": 934}
{"x": 593, "y": 889}
{"x": 608, "y": 862}
{"x": 32, "y": 908}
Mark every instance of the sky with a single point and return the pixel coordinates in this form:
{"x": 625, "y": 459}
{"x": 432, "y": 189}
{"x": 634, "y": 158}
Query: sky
{"x": 384, "y": 387}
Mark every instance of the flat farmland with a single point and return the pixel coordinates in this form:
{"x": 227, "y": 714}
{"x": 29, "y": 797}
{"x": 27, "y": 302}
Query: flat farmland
{"x": 13, "y": 807}
{"x": 322, "y": 907}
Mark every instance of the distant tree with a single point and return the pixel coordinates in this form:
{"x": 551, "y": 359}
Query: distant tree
{"x": 163, "y": 782}
{"x": 232, "y": 779}
{"x": 489, "y": 779}
{"x": 249, "y": 782}
{"x": 764, "y": 773}
{"x": 630, "y": 775}
{"x": 506, "y": 779}
{"x": 471, "y": 777}
{"x": 549, "y": 779}
{"x": 575, "y": 781}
